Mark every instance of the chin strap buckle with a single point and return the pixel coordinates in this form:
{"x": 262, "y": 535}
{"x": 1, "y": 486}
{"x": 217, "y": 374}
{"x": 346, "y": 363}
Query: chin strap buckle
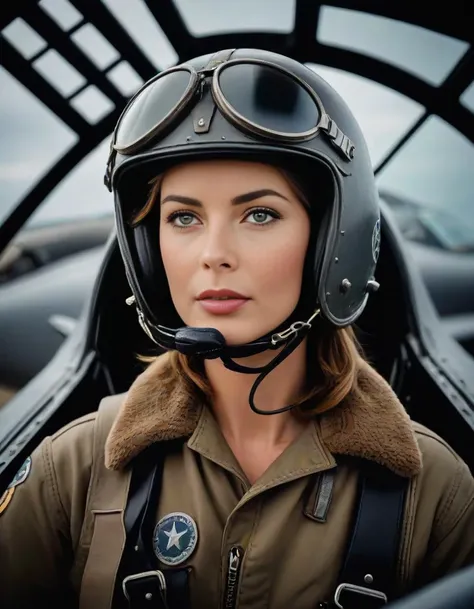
{"x": 280, "y": 337}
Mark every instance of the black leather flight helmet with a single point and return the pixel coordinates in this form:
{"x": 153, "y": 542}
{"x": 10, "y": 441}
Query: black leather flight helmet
{"x": 255, "y": 105}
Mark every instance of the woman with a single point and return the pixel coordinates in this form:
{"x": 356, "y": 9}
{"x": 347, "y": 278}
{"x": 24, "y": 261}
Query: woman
{"x": 248, "y": 223}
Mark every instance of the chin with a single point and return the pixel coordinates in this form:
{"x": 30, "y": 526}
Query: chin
{"x": 236, "y": 332}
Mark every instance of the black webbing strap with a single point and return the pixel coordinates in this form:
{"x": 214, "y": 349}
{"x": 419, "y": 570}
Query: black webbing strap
{"x": 143, "y": 584}
{"x": 369, "y": 576}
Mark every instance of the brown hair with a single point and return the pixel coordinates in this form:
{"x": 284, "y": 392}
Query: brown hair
{"x": 333, "y": 355}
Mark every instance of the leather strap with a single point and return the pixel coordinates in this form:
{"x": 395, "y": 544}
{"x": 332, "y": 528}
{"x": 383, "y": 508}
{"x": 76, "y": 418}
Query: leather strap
{"x": 103, "y": 532}
{"x": 142, "y": 504}
{"x": 104, "y": 557}
{"x": 369, "y": 576}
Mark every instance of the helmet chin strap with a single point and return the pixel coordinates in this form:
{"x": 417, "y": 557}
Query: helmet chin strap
{"x": 292, "y": 337}
{"x": 295, "y": 340}
{"x": 209, "y": 343}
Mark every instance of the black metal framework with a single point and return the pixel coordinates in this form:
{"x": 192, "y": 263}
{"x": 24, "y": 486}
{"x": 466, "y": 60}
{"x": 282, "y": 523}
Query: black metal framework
{"x": 301, "y": 43}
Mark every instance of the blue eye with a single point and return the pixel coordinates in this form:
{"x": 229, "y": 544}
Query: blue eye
{"x": 262, "y": 216}
{"x": 181, "y": 219}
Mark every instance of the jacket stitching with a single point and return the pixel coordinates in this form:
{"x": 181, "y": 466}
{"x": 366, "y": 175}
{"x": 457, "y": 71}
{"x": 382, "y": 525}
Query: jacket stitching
{"x": 282, "y": 478}
{"x": 49, "y": 468}
{"x": 449, "y": 499}
{"x": 432, "y": 436}
{"x": 209, "y": 455}
{"x": 297, "y": 472}
{"x": 90, "y": 418}
{"x": 80, "y": 541}
{"x": 223, "y": 464}
{"x": 405, "y": 552}
{"x": 455, "y": 522}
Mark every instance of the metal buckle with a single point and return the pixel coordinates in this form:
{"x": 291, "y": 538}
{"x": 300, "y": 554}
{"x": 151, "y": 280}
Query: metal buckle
{"x": 144, "y": 325}
{"x": 131, "y": 300}
{"x": 293, "y": 329}
{"x": 158, "y": 574}
{"x": 358, "y": 590}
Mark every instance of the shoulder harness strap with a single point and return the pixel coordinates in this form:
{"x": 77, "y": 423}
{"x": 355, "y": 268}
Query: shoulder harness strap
{"x": 103, "y": 535}
{"x": 140, "y": 580}
{"x": 143, "y": 582}
{"x": 369, "y": 576}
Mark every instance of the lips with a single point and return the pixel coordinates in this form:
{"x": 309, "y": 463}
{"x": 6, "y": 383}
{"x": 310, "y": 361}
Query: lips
{"x": 221, "y": 295}
{"x": 221, "y": 302}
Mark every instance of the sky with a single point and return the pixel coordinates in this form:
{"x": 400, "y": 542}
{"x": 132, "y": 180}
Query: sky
{"x": 435, "y": 168}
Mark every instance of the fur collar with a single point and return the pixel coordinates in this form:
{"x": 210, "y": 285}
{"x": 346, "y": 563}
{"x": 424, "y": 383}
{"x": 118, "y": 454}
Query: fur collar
{"x": 370, "y": 423}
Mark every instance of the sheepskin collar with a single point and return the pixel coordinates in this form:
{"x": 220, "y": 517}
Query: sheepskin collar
{"x": 370, "y": 423}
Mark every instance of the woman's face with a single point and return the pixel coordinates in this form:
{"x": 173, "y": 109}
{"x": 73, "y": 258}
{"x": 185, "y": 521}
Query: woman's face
{"x": 233, "y": 239}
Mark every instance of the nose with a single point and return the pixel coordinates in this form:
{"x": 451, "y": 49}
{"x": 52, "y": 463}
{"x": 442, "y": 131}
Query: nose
{"x": 219, "y": 251}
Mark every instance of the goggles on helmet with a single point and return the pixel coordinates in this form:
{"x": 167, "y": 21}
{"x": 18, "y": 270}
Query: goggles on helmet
{"x": 256, "y": 96}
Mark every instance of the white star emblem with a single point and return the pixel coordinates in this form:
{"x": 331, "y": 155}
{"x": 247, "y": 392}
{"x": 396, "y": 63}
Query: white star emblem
{"x": 174, "y": 537}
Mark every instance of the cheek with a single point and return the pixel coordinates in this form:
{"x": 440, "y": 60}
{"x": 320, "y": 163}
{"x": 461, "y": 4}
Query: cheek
{"x": 280, "y": 266}
{"x": 166, "y": 248}
{"x": 281, "y": 276}
{"x": 174, "y": 262}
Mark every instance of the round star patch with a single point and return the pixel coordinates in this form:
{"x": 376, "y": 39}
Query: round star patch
{"x": 175, "y": 538}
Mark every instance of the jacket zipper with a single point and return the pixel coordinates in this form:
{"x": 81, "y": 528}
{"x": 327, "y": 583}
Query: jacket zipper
{"x": 232, "y": 581}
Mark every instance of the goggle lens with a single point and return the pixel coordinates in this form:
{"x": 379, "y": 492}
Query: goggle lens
{"x": 269, "y": 99}
{"x": 151, "y": 108}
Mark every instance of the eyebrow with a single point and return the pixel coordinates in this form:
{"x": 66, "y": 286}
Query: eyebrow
{"x": 238, "y": 200}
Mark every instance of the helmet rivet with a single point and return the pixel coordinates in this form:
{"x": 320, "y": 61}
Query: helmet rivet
{"x": 369, "y": 579}
{"x": 149, "y": 596}
{"x": 336, "y": 260}
{"x": 343, "y": 232}
{"x": 372, "y": 286}
{"x": 328, "y": 293}
{"x": 188, "y": 139}
{"x": 223, "y": 137}
{"x": 201, "y": 122}
{"x": 345, "y": 286}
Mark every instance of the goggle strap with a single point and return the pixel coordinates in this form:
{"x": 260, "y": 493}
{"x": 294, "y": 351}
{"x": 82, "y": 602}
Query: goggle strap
{"x": 203, "y": 113}
{"x": 202, "y": 118}
{"x": 340, "y": 141}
